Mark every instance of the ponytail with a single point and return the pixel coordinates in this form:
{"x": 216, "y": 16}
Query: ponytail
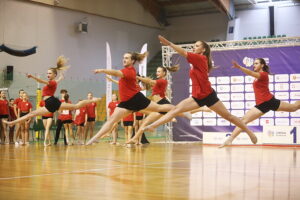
{"x": 266, "y": 67}
{"x": 60, "y": 65}
{"x": 66, "y": 97}
{"x": 207, "y": 53}
{"x": 173, "y": 68}
{"x": 138, "y": 56}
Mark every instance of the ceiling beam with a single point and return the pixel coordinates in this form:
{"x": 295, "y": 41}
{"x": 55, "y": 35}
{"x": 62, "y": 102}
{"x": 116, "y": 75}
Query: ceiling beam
{"x": 178, "y": 2}
{"x": 156, "y": 10}
{"x": 226, "y": 7}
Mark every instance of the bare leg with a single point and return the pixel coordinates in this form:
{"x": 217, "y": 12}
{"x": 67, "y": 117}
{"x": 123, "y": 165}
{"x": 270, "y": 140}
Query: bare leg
{"x": 221, "y": 110}
{"x": 118, "y": 114}
{"x": 38, "y": 112}
{"x": 80, "y": 104}
{"x": 184, "y": 106}
{"x": 4, "y": 130}
{"x": 150, "y": 118}
{"x": 47, "y": 125}
{"x": 250, "y": 116}
{"x": 288, "y": 107}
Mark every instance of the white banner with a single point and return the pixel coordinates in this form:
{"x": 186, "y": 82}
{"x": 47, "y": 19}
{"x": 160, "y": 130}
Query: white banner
{"x": 108, "y": 83}
{"x": 221, "y": 137}
{"x": 281, "y": 135}
{"x": 143, "y": 65}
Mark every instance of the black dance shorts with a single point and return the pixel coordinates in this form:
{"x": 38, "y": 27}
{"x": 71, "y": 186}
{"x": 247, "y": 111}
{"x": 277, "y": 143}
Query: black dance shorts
{"x": 136, "y": 103}
{"x": 82, "y": 124}
{"x": 208, "y": 101}
{"x": 91, "y": 119}
{"x": 139, "y": 117}
{"x": 272, "y": 104}
{"x": 23, "y": 114}
{"x": 43, "y": 117}
{"x": 69, "y": 121}
{"x": 161, "y": 102}
{"x": 3, "y": 116}
{"x": 128, "y": 123}
{"x": 52, "y": 104}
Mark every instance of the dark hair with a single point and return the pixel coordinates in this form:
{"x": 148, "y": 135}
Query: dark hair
{"x": 66, "y": 97}
{"x": 21, "y": 90}
{"x": 173, "y": 68}
{"x": 265, "y": 68}
{"x": 138, "y": 56}
{"x": 60, "y": 65}
{"x": 207, "y": 53}
{"x": 63, "y": 91}
{"x": 11, "y": 99}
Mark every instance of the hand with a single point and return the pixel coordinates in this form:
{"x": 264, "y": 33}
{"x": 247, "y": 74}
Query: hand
{"x": 235, "y": 65}
{"x": 29, "y": 75}
{"x": 97, "y": 71}
{"x": 164, "y": 41}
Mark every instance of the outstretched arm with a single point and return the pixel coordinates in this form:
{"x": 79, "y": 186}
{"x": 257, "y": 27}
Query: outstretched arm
{"x": 37, "y": 79}
{"x": 147, "y": 80}
{"x": 245, "y": 70}
{"x": 177, "y": 48}
{"x": 112, "y": 80}
{"x": 109, "y": 72}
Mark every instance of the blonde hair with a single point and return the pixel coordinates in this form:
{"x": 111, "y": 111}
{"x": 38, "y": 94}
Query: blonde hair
{"x": 173, "y": 68}
{"x": 138, "y": 56}
{"x": 60, "y": 65}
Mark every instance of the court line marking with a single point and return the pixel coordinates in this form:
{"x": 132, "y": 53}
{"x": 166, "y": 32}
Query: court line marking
{"x": 50, "y": 174}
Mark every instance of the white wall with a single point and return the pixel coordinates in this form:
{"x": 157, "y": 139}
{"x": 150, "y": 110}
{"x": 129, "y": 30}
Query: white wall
{"x": 198, "y": 27}
{"x": 23, "y": 25}
{"x": 257, "y": 23}
{"x": 287, "y": 21}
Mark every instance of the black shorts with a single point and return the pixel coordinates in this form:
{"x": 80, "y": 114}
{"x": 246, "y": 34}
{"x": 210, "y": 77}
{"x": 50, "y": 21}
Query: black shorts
{"x": 43, "y": 117}
{"x": 69, "y": 121}
{"x": 208, "y": 101}
{"x": 272, "y": 104}
{"x": 91, "y": 119}
{"x": 136, "y": 103}
{"x": 52, "y": 104}
{"x": 139, "y": 117}
{"x": 23, "y": 114}
{"x": 82, "y": 124}
{"x": 3, "y": 116}
{"x": 161, "y": 102}
{"x": 128, "y": 123}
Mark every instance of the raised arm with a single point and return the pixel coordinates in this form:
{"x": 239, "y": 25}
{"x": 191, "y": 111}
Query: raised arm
{"x": 112, "y": 72}
{"x": 112, "y": 80}
{"x": 147, "y": 80}
{"x": 177, "y": 48}
{"x": 37, "y": 79}
{"x": 245, "y": 70}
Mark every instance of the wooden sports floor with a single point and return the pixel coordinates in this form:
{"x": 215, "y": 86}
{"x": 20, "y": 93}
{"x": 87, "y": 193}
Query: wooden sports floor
{"x": 156, "y": 171}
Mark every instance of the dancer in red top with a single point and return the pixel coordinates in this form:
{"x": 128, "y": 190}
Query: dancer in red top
{"x": 202, "y": 92}
{"x": 47, "y": 122}
{"x": 131, "y": 97}
{"x": 159, "y": 88}
{"x": 24, "y": 107}
{"x": 12, "y": 116}
{"x": 265, "y": 101}
{"x": 81, "y": 118}
{"x": 52, "y": 104}
{"x": 4, "y": 113}
{"x": 128, "y": 123}
{"x": 67, "y": 120}
{"x": 92, "y": 116}
{"x": 111, "y": 108}
{"x": 18, "y": 131}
